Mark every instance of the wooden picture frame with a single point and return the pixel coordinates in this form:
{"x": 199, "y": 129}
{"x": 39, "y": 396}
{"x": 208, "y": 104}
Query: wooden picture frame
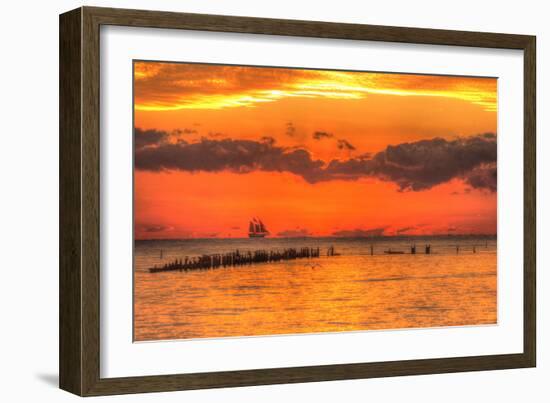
{"x": 79, "y": 346}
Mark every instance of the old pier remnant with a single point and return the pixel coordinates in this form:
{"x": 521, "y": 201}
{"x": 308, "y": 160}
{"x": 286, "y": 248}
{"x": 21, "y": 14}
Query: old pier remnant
{"x": 238, "y": 258}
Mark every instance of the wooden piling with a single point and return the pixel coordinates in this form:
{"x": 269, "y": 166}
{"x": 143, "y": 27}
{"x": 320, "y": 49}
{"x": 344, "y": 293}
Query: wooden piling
{"x": 236, "y": 258}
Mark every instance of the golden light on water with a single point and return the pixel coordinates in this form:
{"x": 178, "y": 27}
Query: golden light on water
{"x": 338, "y": 294}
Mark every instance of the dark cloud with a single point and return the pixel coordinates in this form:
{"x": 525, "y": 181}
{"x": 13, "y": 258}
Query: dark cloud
{"x": 295, "y": 233}
{"x": 145, "y": 138}
{"x": 240, "y": 156}
{"x": 359, "y": 233}
{"x": 345, "y": 145}
{"x": 268, "y": 140}
{"x": 185, "y": 131}
{"x": 154, "y": 228}
{"x": 483, "y": 177}
{"x": 290, "y": 129}
{"x": 412, "y": 166}
{"x": 426, "y": 163}
{"x": 322, "y": 135}
{"x": 404, "y": 229}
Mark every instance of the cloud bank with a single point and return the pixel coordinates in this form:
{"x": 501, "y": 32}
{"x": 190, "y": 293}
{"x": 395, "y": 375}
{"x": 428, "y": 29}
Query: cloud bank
{"x": 345, "y": 145}
{"x": 413, "y": 166}
{"x": 359, "y": 233}
{"x": 404, "y": 230}
{"x": 294, "y": 233}
{"x": 154, "y": 228}
{"x": 319, "y": 135}
{"x": 144, "y": 138}
{"x": 423, "y": 164}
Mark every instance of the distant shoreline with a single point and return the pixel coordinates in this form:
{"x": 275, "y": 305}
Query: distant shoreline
{"x": 336, "y": 238}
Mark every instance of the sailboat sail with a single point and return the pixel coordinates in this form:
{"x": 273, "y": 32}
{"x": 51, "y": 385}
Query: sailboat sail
{"x": 262, "y": 227}
{"x": 257, "y": 229}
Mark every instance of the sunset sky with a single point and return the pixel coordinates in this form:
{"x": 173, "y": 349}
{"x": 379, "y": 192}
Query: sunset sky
{"x": 311, "y": 152}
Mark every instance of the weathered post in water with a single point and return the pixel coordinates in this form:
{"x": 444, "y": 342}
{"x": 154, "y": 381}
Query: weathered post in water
{"x": 231, "y": 259}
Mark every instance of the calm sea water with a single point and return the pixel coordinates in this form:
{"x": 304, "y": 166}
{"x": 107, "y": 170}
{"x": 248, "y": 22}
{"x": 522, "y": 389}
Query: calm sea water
{"x": 353, "y": 291}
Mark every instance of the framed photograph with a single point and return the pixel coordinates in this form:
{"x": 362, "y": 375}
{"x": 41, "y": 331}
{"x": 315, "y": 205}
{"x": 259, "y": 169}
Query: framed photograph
{"x": 250, "y": 201}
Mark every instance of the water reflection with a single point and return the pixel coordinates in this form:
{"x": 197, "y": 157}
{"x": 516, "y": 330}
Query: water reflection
{"x": 354, "y": 291}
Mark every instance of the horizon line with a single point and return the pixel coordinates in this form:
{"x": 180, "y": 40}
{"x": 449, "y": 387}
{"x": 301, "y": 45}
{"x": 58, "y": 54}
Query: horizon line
{"x": 325, "y": 237}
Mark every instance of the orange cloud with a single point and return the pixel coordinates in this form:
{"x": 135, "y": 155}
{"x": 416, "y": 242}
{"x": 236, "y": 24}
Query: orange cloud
{"x": 172, "y": 86}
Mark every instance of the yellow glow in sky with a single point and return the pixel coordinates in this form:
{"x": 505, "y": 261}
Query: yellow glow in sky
{"x": 189, "y": 86}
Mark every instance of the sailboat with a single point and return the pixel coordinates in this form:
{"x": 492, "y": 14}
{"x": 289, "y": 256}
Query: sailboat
{"x": 257, "y": 229}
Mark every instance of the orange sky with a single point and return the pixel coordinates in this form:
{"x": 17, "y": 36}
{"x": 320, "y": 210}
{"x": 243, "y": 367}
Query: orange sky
{"x": 311, "y": 152}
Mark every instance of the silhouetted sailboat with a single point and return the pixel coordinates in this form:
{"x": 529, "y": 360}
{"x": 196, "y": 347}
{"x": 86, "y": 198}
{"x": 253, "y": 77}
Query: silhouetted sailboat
{"x": 257, "y": 229}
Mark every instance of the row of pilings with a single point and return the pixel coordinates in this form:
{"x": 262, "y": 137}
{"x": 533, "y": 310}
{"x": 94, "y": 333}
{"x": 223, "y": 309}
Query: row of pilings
{"x": 238, "y": 258}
